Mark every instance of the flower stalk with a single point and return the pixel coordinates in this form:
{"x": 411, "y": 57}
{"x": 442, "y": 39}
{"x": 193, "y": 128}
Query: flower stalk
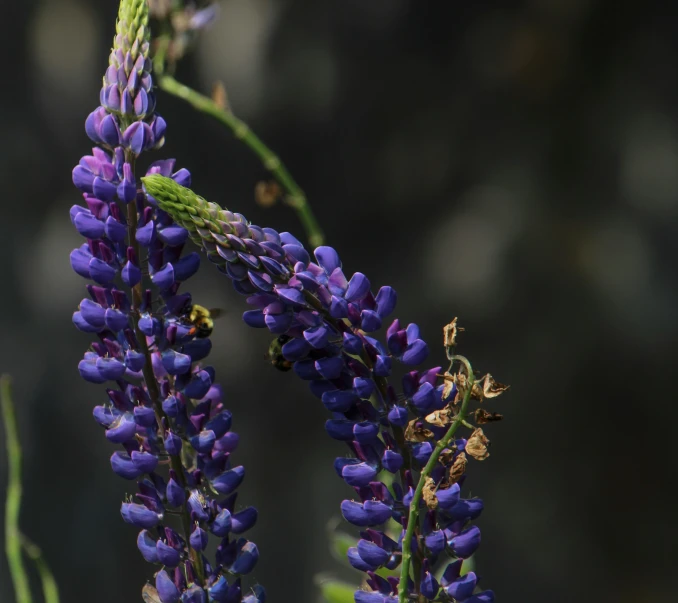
{"x": 324, "y": 322}
{"x": 164, "y": 407}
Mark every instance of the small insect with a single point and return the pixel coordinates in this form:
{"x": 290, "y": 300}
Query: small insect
{"x": 201, "y": 318}
{"x": 275, "y": 354}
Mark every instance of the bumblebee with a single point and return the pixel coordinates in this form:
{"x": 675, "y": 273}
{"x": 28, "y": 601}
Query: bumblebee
{"x": 201, "y": 318}
{"x": 275, "y": 354}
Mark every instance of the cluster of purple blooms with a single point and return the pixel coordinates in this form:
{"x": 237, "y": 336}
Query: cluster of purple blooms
{"x": 164, "y": 409}
{"x": 328, "y": 321}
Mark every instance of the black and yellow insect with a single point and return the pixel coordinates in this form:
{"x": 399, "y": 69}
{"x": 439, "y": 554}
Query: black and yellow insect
{"x": 275, "y": 354}
{"x": 201, "y": 318}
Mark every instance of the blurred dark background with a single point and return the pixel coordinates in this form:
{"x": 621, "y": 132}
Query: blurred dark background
{"x": 511, "y": 163}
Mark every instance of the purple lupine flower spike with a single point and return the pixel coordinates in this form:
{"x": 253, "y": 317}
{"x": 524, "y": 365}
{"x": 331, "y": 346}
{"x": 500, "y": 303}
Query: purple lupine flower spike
{"x": 164, "y": 410}
{"x": 126, "y": 116}
{"x": 324, "y": 321}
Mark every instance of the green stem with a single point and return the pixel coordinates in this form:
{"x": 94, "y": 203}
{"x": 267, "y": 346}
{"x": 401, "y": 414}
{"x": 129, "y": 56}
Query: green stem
{"x": 296, "y": 197}
{"x": 13, "y": 504}
{"x": 160, "y": 53}
{"x": 414, "y": 505}
{"x": 50, "y": 591}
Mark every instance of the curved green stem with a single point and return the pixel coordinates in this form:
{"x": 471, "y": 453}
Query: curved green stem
{"x": 13, "y": 504}
{"x": 413, "y": 517}
{"x": 50, "y": 592}
{"x": 296, "y": 197}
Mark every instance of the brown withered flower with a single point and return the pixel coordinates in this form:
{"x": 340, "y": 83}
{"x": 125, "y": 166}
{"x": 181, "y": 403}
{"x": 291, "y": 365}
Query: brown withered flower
{"x": 461, "y": 381}
{"x": 483, "y": 416}
{"x": 477, "y": 445}
{"x": 416, "y": 432}
{"x": 457, "y": 469}
{"x": 429, "y": 494}
{"x": 487, "y": 387}
{"x": 448, "y": 385}
{"x": 440, "y": 418}
{"x": 492, "y": 388}
{"x": 450, "y": 332}
{"x": 267, "y": 193}
{"x": 477, "y": 391}
{"x": 447, "y": 455}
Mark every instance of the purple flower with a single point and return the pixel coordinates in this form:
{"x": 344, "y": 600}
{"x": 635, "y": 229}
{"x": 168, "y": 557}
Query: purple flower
{"x": 330, "y": 325}
{"x": 164, "y": 410}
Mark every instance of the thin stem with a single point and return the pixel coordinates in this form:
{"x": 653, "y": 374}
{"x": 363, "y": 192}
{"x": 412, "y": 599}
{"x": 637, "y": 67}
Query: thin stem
{"x": 152, "y": 384}
{"x": 50, "y": 592}
{"x": 162, "y": 46}
{"x": 414, "y": 505}
{"x": 13, "y": 503}
{"x": 296, "y": 198}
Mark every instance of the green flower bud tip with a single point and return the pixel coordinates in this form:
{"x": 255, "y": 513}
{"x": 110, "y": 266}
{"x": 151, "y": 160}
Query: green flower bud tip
{"x": 170, "y": 196}
{"x": 205, "y": 222}
{"x": 181, "y": 203}
{"x": 132, "y": 27}
{"x": 127, "y": 89}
